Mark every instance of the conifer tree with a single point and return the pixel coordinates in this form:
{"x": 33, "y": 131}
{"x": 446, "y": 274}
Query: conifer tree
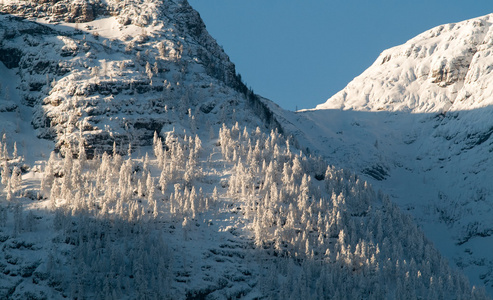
{"x": 16, "y": 180}
{"x": 14, "y": 154}
{"x": 5, "y": 173}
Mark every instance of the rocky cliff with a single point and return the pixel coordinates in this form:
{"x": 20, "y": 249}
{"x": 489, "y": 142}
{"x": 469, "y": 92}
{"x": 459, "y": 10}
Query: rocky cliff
{"x": 104, "y": 72}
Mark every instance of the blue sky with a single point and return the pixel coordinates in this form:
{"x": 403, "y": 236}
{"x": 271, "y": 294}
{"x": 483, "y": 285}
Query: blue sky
{"x": 299, "y": 53}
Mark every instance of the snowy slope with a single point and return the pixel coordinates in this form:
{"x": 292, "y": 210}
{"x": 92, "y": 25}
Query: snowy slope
{"x": 417, "y": 124}
{"x": 445, "y": 68}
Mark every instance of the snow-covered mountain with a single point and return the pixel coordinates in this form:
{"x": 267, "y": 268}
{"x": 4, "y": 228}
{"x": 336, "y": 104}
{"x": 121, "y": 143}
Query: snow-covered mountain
{"x": 135, "y": 164}
{"x": 418, "y": 125}
{"x": 444, "y": 69}
{"x": 135, "y": 64}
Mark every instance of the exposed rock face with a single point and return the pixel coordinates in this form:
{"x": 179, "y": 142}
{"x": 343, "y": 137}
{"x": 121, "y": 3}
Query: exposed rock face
{"x": 55, "y": 10}
{"x": 110, "y": 80}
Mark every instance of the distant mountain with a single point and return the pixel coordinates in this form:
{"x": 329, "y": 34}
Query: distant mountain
{"x": 418, "y": 125}
{"x": 444, "y": 69}
{"x": 135, "y": 164}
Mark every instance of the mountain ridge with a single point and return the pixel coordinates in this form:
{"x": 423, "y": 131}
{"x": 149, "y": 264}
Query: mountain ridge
{"x": 172, "y": 58}
{"x": 442, "y": 62}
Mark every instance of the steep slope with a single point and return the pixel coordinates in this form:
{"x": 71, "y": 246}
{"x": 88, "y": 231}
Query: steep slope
{"x": 445, "y": 68}
{"x": 126, "y": 72}
{"x": 187, "y": 194}
{"x": 417, "y": 124}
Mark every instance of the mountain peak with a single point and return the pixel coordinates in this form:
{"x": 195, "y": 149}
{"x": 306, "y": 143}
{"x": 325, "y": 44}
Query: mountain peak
{"x": 109, "y": 70}
{"x": 442, "y": 69}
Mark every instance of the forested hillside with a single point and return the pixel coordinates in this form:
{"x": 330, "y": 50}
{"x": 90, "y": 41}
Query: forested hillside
{"x": 216, "y": 217}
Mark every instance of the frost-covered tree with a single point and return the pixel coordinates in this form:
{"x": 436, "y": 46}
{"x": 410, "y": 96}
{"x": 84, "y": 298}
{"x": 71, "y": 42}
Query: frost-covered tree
{"x": 162, "y": 49}
{"x": 5, "y": 173}
{"x": 95, "y": 72}
{"x": 149, "y": 71}
{"x": 16, "y": 179}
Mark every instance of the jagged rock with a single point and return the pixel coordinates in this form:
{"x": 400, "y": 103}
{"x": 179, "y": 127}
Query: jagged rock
{"x": 63, "y": 10}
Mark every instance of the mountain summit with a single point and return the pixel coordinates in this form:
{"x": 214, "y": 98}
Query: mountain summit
{"x": 107, "y": 72}
{"x": 447, "y": 68}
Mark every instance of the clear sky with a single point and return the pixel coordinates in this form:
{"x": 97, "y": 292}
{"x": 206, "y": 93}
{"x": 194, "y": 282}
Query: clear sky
{"x": 299, "y": 53}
